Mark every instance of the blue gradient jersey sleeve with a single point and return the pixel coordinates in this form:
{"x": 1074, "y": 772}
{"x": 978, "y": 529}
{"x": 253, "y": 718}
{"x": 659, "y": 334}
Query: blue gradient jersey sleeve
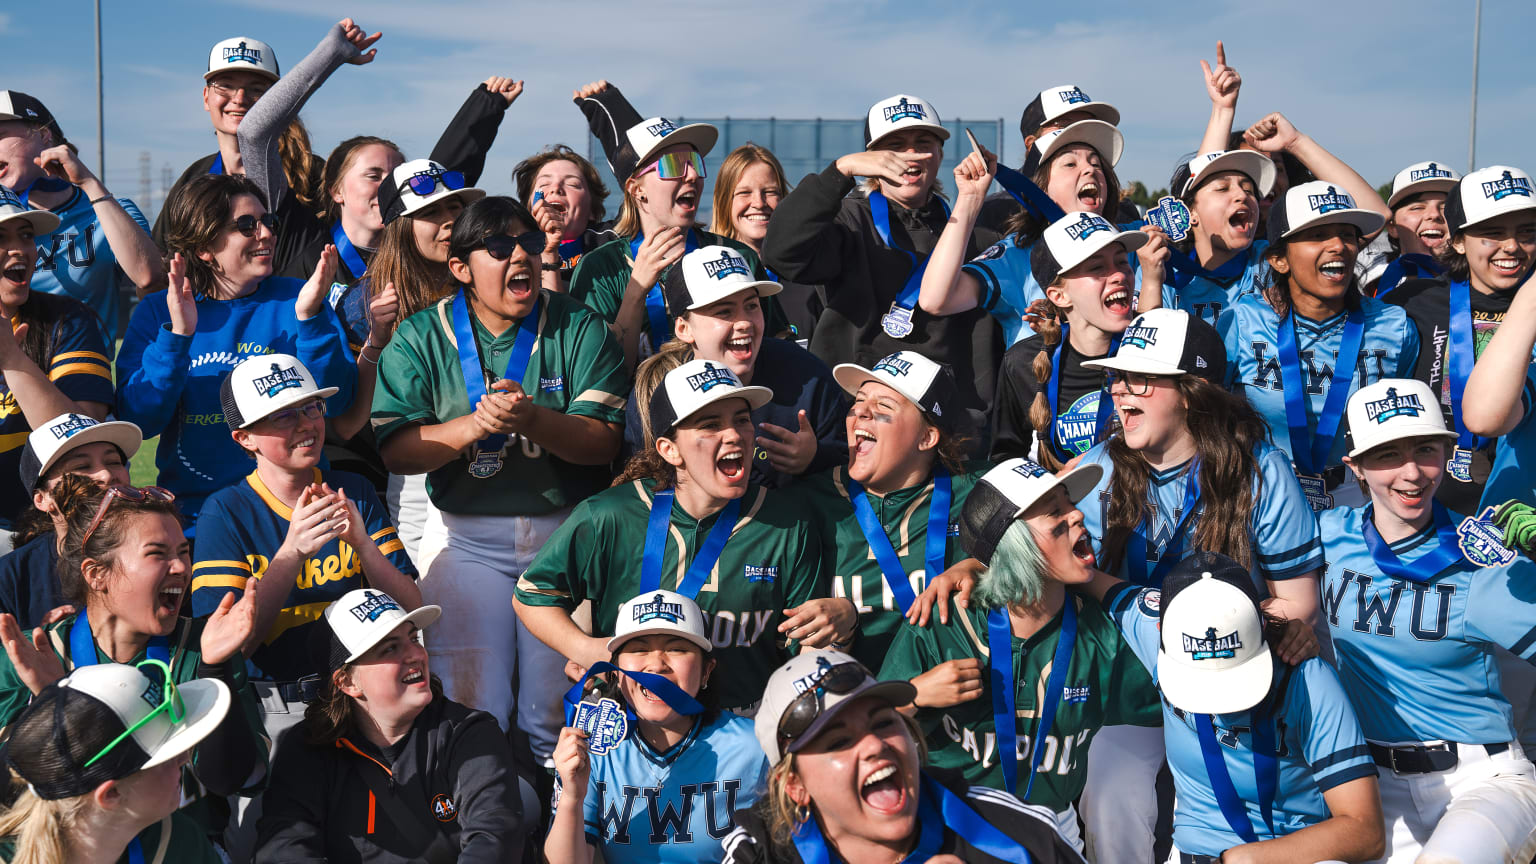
{"x": 1514, "y": 460}
{"x": 1285, "y": 539}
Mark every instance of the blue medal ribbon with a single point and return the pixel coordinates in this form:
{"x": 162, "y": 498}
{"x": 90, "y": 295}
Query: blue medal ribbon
{"x": 1462, "y": 353}
{"x": 1447, "y": 551}
{"x": 43, "y": 184}
{"x": 1004, "y": 696}
{"x": 655, "y": 304}
{"x": 469, "y": 358}
{"x": 1183, "y": 268}
{"x": 880, "y": 544}
{"x": 1052, "y": 397}
{"x": 1136, "y": 546}
{"x": 703, "y": 561}
{"x": 218, "y": 164}
{"x": 1410, "y": 265}
{"x": 1309, "y": 450}
{"x": 669, "y": 692}
{"x": 348, "y": 252}
{"x": 1266, "y": 768}
{"x": 880, "y": 213}
{"x": 1026, "y": 192}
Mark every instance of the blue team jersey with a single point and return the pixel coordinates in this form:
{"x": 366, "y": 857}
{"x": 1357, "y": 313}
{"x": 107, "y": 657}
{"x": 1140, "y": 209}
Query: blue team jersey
{"x": 1514, "y": 457}
{"x": 1389, "y": 348}
{"x": 75, "y": 260}
{"x": 1206, "y": 298}
{"x": 1285, "y": 540}
{"x": 244, "y": 527}
{"x": 1317, "y": 736}
{"x": 674, "y": 807}
{"x": 1417, "y": 657}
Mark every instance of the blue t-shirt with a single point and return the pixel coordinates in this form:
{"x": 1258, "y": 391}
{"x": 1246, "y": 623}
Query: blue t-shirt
{"x": 1417, "y": 657}
{"x": 169, "y": 384}
{"x": 1317, "y": 735}
{"x": 674, "y": 807}
{"x": 29, "y": 582}
{"x": 75, "y": 260}
{"x": 247, "y": 525}
{"x": 1514, "y": 457}
{"x": 1205, "y": 296}
{"x": 1389, "y": 348}
{"x": 1284, "y": 534}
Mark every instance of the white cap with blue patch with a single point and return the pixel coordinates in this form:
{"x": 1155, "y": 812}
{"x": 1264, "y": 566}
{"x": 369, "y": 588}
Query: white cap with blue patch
{"x": 692, "y": 387}
{"x": 1422, "y": 177}
{"x": 263, "y": 384}
{"x": 1488, "y": 193}
{"x": 901, "y": 112}
{"x": 1319, "y": 203}
{"x": 242, "y": 54}
{"x": 710, "y": 274}
{"x": 659, "y": 612}
{"x": 363, "y": 617}
{"x": 1393, "y": 409}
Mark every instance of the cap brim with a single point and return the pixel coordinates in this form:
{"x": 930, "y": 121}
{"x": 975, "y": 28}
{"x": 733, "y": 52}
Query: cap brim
{"x": 1081, "y": 480}
{"x": 469, "y": 193}
{"x": 1224, "y": 691}
{"x": 1251, "y": 164}
{"x": 43, "y": 221}
{"x": 1406, "y": 431}
{"x": 1367, "y": 221}
{"x": 125, "y": 435}
{"x": 1434, "y": 184}
{"x": 207, "y": 701}
{"x": 756, "y": 397}
{"x": 896, "y": 693}
{"x": 1100, "y": 111}
{"x": 1101, "y": 136}
{"x": 289, "y": 399}
{"x": 765, "y": 288}
{"x": 422, "y": 616}
{"x": 616, "y": 641}
{"x": 701, "y": 136}
{"x": 1140, "y": 365}
{"x": 254, "y": 70}
{"x": 915, "y": 124}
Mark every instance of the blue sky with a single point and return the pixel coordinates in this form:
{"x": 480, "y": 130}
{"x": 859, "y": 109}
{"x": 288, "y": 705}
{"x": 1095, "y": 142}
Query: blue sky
{"x": 1380, "y": 84}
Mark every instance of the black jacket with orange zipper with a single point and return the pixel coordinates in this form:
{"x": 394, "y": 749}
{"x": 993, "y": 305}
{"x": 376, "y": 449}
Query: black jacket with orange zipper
{"x": 453, "y": 770}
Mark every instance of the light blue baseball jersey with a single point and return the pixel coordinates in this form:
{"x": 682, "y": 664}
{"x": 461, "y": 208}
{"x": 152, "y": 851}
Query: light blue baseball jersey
{"x": 1514, "y": 457}
{"x": 674, "y": 807}
{"x": 75, "y": 260}
{"x": 1317, "y": 736}
{"x": 1417, "y": 657}
{"x": 1205, "y": 297}
{"x": 1285, "y": 540}
{"x": 1389, "y": 348}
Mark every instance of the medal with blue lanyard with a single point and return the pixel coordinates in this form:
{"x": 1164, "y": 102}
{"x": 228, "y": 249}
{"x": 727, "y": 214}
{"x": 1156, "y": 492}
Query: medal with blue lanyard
{"x": 43, "y": 184}
{"x": 655, "y": 304}
{"x": 1410, "y": 265}
{"x": 82, "y": 652}
{"x": 897, "y": 323}
{"x": 1136, "y": 546}
{"x": 1052, "y": 396}
{"x": 880, "y": 544}
{"x": 1447, "y": 552}
{"x": 1004, "y": 697}
{"x": 1235, "y": 275}
{"x": 938, "y": 810}
{"x": 656, "y": 544}
{"x": 348, "y": 252}
{"x": 606, "y": 721}
{"x": 1024, "y": 190}
{"x": 1266, "y": 768}
{"x": 1310, "y": 449}
{"x": 218, "y": 164}
{"x": 488, "y": 450}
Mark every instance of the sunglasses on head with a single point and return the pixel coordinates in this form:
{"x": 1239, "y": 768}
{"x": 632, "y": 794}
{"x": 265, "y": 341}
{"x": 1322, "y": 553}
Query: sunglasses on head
{"x": 127, "y": 493}
{"x": 247, "y": 224}
{"x": 501, "y": 246}
{"x": 802, "y": 712}
{"x": 170, "y": 703}
{"x": 424, "y": 184}
{"x": 674, "y": 165}
{"x": 289, "y": 417}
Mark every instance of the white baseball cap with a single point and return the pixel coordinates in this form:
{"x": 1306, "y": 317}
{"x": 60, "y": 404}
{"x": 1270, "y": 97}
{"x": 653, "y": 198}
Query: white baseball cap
{"x": 1319, "y": 203}
{"x": 1392, "y": 409}
{"x": 12, "y": 209}
{"x": 1487, "y": 193}
{"x": 361, "y": 619}
{"x": 1073, "y": 239}
{"x": 242, "y": 54}
{"x": 654, "y": 134}
{"x": 925, "y": 383}
{"x": 901, "y": 112}
{"x": 695, "y": 385}
{"x": 1422, "y": 177}
{"x": 1103, "y": 137}
{"x": 1052, "y": 102}
{"x": 710, "y": 274}
{"x": 50, "y": 442}
{"x": 1168, "y": 342}
{"x": 131, "y": 695}
{"x": 659, "y": 612}
{"x": 418, "y": 184}
{"x": 1256, "y": 166}
{"x": 840, "y": 680}
{"x": 1004, "y": 493}
{"x": 264, "y": 384}
{"x": 1214, "y": 659}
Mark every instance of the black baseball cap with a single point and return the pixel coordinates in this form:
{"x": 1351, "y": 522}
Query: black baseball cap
{"x": 16, "y": 105}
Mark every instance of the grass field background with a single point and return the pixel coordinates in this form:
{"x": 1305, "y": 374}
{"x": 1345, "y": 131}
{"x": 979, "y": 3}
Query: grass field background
{"x": 142, "y": 467}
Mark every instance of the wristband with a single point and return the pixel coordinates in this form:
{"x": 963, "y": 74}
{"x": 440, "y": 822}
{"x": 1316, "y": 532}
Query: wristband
{"x": 100, "y": 198}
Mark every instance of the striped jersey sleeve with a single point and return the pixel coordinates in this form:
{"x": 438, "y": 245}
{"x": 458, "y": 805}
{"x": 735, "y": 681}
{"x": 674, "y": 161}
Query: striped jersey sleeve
{"x": 79, "y": 366}
{"x": 1286, "y": 540}
{"x": 1317, "y": 707}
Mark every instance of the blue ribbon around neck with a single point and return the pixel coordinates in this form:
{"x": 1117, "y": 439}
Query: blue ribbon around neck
{"x": 1310, "y": 449}
{"x": 1447, "y": 551}
{"x": 469, "y": 358}
{"x": 1266, "y": 768}
{"x": 669, "y": 692}
{"x": 1053, "y": 396}
{"x": 218, "y": 164}
{"x": 1028, "y": 193}
{"x": 1136, "y": 546}
{"x": 655, "y": 303}
{"x": 885, "y": 554}
{"x": 348, "y": 252}
{"x": 1004, "y": 697}
{"x": 1409, "y": 265}
{"x": 703, "y": 561}
{"x": 1183, "y": 268}
{"x": 880, "y": 213}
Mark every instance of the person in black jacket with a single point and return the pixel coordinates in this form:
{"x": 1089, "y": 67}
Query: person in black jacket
{"x": 868, "y": 252}
{"x": 384, "y": 767}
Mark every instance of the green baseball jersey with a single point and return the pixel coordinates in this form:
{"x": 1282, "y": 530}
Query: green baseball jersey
{"x": 185, "y": 646}
{"x": 1105, "y": 686}
{"x": 773, "y": 560}
{"x": 173, "y": 840}
{"x": 856, "y": 574}
{"x": 603, "y": 274}
{"x": 576, "y": 368}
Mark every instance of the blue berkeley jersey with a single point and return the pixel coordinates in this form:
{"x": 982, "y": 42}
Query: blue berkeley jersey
{"x": 674, "y": 807}
{"x": 1417, "y": 657}
{"x": 1388, "y": 349}
{"x": 1316, "y": 734}
{"x": 1285, "y": 541}
{"x": 1206, "y": 298}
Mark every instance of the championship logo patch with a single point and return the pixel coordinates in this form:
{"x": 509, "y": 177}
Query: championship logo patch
{"x": 806, "y": 682}
{"x": 903, "y": 110}
{"x": 443, "y": 809}
{"x": 1087, "y": 226}
{"x": 1029, "y": 470}
{"x": 1482, "y": 542}
{"x": 726, "y": 265}
{"x": 1393, "y": 405}
{"x": 893, "y": 364}
{"x": 712, "y": 376}
{"x": 765, "y": 573}
{"x": 278, "y": 380}
{"x": 1428, "y": 172}
{"x": 660, "y": 128}
{"x": 996, "y": 250}
{"x": 373, "y": 606}
{"x": 658, "y": 608}
{"x": 1139, "y": 335}
{"x": 1210, "y": 646}
{"x": 1327, "y": 202}
{"x": 242, "y": 52}
{"x": 1150, "y": 603}
{"x": 1506, "y": 186}
{"x": 605, "y": 723}
{"x": 71, "y": 424}
{"x": 1171, "y": 216}
{"x": 1074, "y": 96}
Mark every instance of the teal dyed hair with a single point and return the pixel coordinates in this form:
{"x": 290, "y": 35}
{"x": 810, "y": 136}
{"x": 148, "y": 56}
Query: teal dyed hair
{"x": 1018, "y": 571}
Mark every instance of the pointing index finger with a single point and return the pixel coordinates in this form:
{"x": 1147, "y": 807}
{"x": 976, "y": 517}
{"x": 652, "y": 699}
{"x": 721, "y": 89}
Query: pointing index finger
{"x": 1221, "y": 53}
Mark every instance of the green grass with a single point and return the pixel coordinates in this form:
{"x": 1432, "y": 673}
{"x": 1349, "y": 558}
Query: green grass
{"x": 142, "y": 467}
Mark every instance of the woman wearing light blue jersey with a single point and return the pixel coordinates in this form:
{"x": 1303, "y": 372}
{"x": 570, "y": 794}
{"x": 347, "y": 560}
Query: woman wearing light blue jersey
{"x": 1299, "y": 349}
{"x": 1417, "y": 598}
{"x": 664, "y": 785}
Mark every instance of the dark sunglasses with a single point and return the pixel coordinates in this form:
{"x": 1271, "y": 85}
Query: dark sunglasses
{"x": 247, "y": 224}
{"x": 127, "y": 493}
{"x": 501, "y": 246}
{"x": 424, "y": 184}
{"x": 801, "y": 713}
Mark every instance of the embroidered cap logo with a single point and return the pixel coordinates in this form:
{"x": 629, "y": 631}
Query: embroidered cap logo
{"x": 904, "y": 109}
{"x": 279, "y": 380}
{"x": 70, "y": 425}
{"x": 658, "y": 608}
{"x": 712, "y": 376}
{"x": 726, "y": 265}
{"x": 1029, "y": 470}
{"x": 1074, "y": 96}
{"x": 373, "y": 606}
{"x": 1211, "y": 646}
{"x": 806, "y": 682}
{"x": 1088, "y": 226}
{"x": 893, "y": 364}
{"x": 1327, "y": 202}
{"x": 1393, "y": 405}
{"x": 661, "y": 128}
{"x": 242, "y": 52}
{"x": 1139, "y": 335}
{"x": 1506, "y": 186}
{"x": 1428, "y": 172}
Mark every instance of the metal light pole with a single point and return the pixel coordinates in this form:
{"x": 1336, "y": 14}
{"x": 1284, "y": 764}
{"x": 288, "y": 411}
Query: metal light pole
{"x": 101, "y": 137}
{"x": 1477, "y": 34}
